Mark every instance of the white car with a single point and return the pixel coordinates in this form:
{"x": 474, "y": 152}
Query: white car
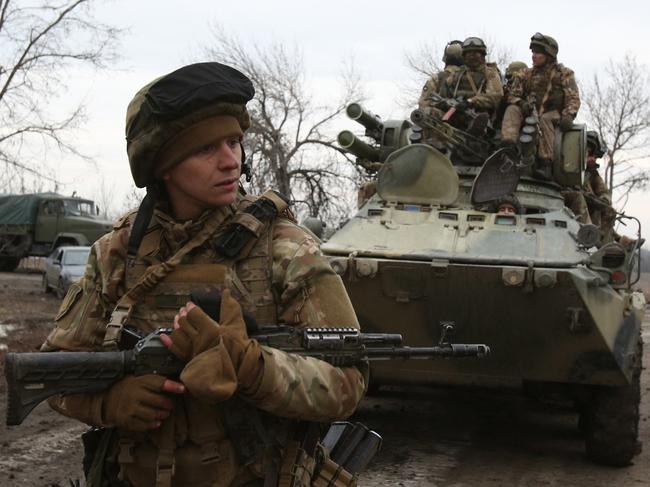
{"x": 63, "y": 267}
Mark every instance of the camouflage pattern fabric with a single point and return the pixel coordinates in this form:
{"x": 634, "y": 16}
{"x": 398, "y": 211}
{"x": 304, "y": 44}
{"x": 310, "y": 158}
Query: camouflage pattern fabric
{"x": 511, "y": 125}
{"x": 595, "y": 185}
{"x": 554, "y": 78}
{"x": 433, "y": 85}
{"x": 603, "y": 217}
{"x": 486, "y": 80}
{"x": 576, "y": 202}
{"x": 554, "y": 89}
{"x": 284, "y": 272}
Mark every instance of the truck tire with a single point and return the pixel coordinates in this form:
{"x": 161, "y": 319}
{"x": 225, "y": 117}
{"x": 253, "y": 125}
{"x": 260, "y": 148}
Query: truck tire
{"x": 610, "y": 420}
{"x": 9, "y": 264}
{"x": 59, "y": 291}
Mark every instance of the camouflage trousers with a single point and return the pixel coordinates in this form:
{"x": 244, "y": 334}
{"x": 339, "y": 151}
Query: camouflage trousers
{"x": 604, "y": 218}
{"x": 513, "y": 118}
{"x": 576, "y": 202}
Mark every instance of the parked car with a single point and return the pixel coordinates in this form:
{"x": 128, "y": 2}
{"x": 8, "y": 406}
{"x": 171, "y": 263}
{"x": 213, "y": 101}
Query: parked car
{"x": 63, "y": 267}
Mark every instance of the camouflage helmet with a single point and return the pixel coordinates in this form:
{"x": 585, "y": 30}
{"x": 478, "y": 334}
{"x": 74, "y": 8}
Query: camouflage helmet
{"x": 545, "y": 44}
{"x": 166, "y": 107}
{"x": 474, "y": 44}
{"x": 453, "y": 53}
{"x": 514, "y": 67}
{"x": 596, "y": 144}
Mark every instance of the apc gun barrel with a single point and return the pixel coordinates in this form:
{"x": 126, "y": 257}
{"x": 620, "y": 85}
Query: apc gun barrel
{"x": 348, "y": 141}
{"x": 368, "y": 119}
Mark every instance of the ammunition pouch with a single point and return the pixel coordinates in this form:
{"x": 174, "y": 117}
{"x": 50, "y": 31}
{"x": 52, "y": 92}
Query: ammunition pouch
{"x": 331, "y": 474}
{"x": 100, "y": 465}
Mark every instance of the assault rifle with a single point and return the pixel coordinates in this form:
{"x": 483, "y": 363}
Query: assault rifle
{"x": 471, "y": 147}
{"x": 33, "y": 377}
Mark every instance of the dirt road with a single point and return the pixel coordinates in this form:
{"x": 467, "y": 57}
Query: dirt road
{"x": 431, "y": 437}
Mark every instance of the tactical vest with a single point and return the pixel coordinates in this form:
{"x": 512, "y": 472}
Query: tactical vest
{"x": 546, "y": 85}
{"x": 467, "y": 83}
{"x": 195, "y": 444}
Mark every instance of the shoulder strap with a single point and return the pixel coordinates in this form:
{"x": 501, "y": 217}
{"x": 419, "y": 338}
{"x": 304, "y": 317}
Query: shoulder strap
{"x": 547, "y": 93}
{"x": 247, "y": 225}
{"x": 460, "y": 76}
{"x": 150, "y": 278}
{"x": 472, "y": 83}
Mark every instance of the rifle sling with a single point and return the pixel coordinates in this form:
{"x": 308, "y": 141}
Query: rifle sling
{"x": 151, "y": 277}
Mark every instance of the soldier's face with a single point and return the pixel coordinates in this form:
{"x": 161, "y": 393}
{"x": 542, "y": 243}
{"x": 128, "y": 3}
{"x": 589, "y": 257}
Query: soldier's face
{"x": 473, "y": 59}
{"x": 208, "y": 178}
{"x": 591, "y": 158}
{"x": 539, "y": 59}
{"x": 507, "y": 209}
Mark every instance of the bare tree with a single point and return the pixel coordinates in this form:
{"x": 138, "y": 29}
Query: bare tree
{"x": 290, "y": 145}
{"x": 41, "y": 41}
{"x": 618, "y": 107}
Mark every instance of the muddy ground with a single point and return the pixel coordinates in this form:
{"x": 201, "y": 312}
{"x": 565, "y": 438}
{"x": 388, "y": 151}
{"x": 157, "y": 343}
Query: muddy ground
{"x": 438, "y": 437}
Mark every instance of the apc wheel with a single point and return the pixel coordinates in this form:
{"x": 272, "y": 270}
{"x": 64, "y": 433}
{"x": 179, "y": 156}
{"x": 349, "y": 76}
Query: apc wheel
{"x": 45, "y": 285}
{"x": 611, "y": 422}
{"x": 60, "y": 292}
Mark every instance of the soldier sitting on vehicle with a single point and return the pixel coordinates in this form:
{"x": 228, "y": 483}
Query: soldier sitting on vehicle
{"x": 597, "y": 195}
{"x": 477, "y": 83}
{"x": 513, "y": 69}
{"x": 453, "y": 59}
{"x": 550, "y": 89}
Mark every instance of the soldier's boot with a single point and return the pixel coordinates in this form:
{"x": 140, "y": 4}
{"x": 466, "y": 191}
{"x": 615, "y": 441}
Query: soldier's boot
{"x": 543, "y": 169}
{"x": 478, "y": 124}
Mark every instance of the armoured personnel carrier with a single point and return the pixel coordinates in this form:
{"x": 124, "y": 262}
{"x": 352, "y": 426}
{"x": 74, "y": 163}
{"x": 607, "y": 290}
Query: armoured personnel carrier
{"x": 428, "y": 249}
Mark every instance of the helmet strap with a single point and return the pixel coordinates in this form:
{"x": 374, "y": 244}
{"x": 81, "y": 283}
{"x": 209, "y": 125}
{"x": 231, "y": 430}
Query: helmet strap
{"x": 141, "y": 223}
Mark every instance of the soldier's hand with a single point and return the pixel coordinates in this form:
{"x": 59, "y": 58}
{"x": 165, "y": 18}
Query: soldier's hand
{"x": 566, "y": 123}
{"x": 210, "y": 375}
{"x": 245, "y": 353}
{"x": 194, "y": 333}
{"x": 139, "y": 403}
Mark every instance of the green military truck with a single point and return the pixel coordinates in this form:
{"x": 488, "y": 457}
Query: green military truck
{"x": 36, "y": 224}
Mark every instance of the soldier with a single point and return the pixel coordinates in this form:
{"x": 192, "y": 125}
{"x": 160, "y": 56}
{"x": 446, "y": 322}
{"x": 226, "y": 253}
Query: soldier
{"x": 549, "y": 87}
{"x": 453, "y": 59}
{"x": 598, "y": 197}
{"x": 592, "y": 202}
{"x": 506, "y": 205}
{"x": 476, "y": 82}
{"x": 512, "y": 70}
{"x": 197, "y": 229}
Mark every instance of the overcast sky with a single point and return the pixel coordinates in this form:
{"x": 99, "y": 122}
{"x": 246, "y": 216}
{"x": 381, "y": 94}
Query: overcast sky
{"x": 164, "y": 35}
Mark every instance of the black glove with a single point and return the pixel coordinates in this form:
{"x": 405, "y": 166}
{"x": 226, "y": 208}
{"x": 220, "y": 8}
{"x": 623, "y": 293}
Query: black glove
{"x": 566, "y": 124}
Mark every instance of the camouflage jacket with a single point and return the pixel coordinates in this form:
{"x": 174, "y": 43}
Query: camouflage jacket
{"x": 483, "y": 85}
{"x": 552, "y": 86}
{"x": 594, "y": 184}
{"x": 283, "y": 278}
{"x": 433, "y": 85}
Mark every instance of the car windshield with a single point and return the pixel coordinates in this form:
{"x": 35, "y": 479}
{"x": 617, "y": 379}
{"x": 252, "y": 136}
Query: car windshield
{"x": 79, "y": 207}
{"x": 76, "y": 257}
